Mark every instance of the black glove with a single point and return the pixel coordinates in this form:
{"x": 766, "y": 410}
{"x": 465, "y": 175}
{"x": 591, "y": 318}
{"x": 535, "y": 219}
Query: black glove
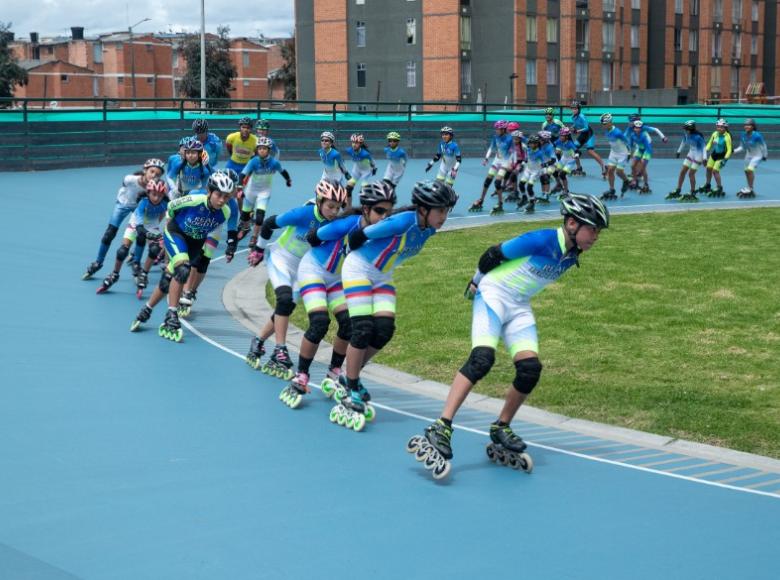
{"x": 312, "y": 238}
{"x": 348, "y": 176}
{"x": 289, "y": 183}
{"x": 140, "y": 231}
{"x": 373, "y": 170}
{"x": 356, "y": 239}
{"x": 677, "y": 155}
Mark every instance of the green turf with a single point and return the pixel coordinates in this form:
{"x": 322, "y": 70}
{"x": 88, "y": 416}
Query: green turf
{"x": 671, "y": 325}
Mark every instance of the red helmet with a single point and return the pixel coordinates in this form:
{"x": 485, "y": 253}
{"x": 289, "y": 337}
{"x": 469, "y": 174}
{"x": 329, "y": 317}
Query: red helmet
{"x": 512, "y": 126}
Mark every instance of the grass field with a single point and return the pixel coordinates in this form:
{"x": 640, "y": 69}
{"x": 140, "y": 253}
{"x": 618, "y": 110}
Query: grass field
{"x": 671, "y": 325}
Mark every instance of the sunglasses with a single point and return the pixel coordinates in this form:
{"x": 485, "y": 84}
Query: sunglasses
{"x": 380, "y": 210}
{"x": 324, "y": 140}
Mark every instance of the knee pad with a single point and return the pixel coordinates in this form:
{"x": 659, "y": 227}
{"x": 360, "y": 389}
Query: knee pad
{"x": 318, "y": 327}
{"x": 479, "y": 363}
{"x": 109, "y": 234}
{"x": 284, "y": 301}
{"x": 499, "y": 184}
{"x": 527, "y": 373}
{"x": 488, "y": 181}
{"x": 165, "y": 282}
{"x": 122, "y": 252}
{"x": 521, "y": 187}
{"x": 259, "y": 217}
{"x": 544, "y": 179}
{"x": 245, "y": 215}
{"x": 344, "y": 331}
{"x": 530, "y": 190}
{"x": 182, "y": 272}
{"x": 202, "y": 264}
{"x": 154, "y": 250}
{"x": 362, "y": 331}
{"x": 384, "y": 328}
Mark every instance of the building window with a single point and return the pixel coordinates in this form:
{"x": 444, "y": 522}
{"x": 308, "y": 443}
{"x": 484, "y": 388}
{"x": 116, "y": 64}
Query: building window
{"x": 411, "y": 74}
{"x": 693, "y": 40}
{"x": 634, "y": 36}
{"x": 582, "y": 37}
{"x": 678, "y": 6}
{"x": 716, "y": 44}
{"x": 636, "y": 4}
{"x": 552, "y": 30}
{"x": 609, "y": 5}
{"x": 736, "y": 46}
{"x": 360, "y": 30}
{"x": 95, "y": 87}
{"x": 97, "y": 52}
{"x": 361, "y": 74}
{"x": 715, "y": 79}
{"x": 717, "y": 11}
{"x": 245, "y": 58}
{"x": 246, "y": 83}
{"x": 754, "y": 44}
{"x": 120, "y": 80}
{"x": 175, "y": 59}
{"x": 754, "y": 11}
{"x": 694, "y": 7}
{"x": 530, "y": 29}
{"x": 677, "y": 39}
{"x": 753, "y": 75}
{"x": 552, "y": 72}
{"x": 736, "y": 11}
{"x": 608, "y": 36}
{"x": 530, "y": 71}
{"x": 149, "y": 80}
{"x": 635, "y": 76}
{"x": 411, "y": 31}
{"x": 606, "y": 76}
{"x": 735, "y": 79}
{"x": 360, "y": 2}
{"x": 63, "y": 78}
{"x": 465, "y": 77}
{"x": 465, "y": 32}
{"x": 581, "y": 80}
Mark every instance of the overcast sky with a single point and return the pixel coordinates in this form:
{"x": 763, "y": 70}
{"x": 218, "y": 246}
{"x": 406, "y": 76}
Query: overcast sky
{"x": 55, "y": 17}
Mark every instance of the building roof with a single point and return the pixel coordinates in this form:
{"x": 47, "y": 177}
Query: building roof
{"x": 32, "y": 64}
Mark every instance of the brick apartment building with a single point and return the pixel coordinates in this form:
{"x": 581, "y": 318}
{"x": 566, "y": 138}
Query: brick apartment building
{"x": 110, "y": 66}
{"x": 545, "y": 51}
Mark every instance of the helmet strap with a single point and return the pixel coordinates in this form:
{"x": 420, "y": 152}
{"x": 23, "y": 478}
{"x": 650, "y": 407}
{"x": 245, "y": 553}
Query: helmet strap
{"x": 575, "y": 250}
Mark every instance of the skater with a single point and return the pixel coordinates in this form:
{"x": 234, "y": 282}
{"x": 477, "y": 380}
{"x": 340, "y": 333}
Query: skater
{"x": 212, "y": 145}
{"x": 363, "y": 164}
{"x": 642, "y": 146}
{"x": 501, "y": 147}
{"x": 188, "y": 175}
{"x": 257, "y": 176}
{"x": 533, "y": 170}
{"x": 551, "y": 124}
{"x": 240, "y": 145}
{"x": 144, "y": 223}
{"x": 719, "y": 150}
{"x": 261, "y": 130}
{"x": 584, "y": 137}
{"x": 639, "y": 159}
{"x": 549, "y": 161}
{"x": 619, "y": 150}
{"x": 507, "y": 276}
{"x": 752, "y": 142}
{"x": 565, "y": 149}
{"x": 396, "y": 159}
{"x": 127, "y": 199}
{"x": 284, "y": 257}
{"x": 517, "y": 161}
{"x": 367, "y": 276}
{"x": 693, "y": 160}
{"x": 319, "y": 276}
{"x": 334, "y": 169}
{"x": 449, "y": 153}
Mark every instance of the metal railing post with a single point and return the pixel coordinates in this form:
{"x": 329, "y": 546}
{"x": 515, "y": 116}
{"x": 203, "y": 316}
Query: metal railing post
{"x": 105, "y": 110}
{"x": 181, "y": 109}
{"x": 334, "y": 112}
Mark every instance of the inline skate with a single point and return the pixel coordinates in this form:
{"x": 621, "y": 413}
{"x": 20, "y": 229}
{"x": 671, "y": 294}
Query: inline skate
{"x": 350, "y": 412}
{"x": 141, "y": 282}
{"x": 279, "y": 365}
{"x": 171, "y": 327}
{"x": 91, "y": 269}
{"x": 609, "y": 195}
{"x": 674, "y": 194}
{"x": 108, "y": 281}
{"x": 292, "y": 394}
{"x": 256, "y": 352}
{"x": 331, "y": 384}
{"x": 433, "y": 449}
{"x": 506, "y": 448}
{"x": 746, "y": 193}
{"x": 142, "y": 317}
{"x": 689, "y": 197}
{"x": 186, "y": 301}
{"x": 476, "y": 206}
{"x": 717, "y": 192}
{"x": 498, "y": 209}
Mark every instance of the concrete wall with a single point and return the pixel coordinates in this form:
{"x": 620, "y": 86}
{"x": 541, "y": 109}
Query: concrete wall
{"x": 304, "y": 49}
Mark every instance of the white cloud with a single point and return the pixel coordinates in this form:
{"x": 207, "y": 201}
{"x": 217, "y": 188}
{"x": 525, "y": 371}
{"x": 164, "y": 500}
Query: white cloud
{"x": 55, "y": 17}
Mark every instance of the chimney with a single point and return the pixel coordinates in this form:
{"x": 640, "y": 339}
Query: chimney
{"x": 77, "y": 32}
{"x": 33, "y": 38}
{"x": 35, "y": 50}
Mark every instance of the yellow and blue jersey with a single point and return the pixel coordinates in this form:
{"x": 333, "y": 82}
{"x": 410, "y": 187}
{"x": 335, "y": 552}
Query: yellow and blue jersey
{"x": 192, "y": 216}
{"x": 394, "y": 240}
{"x": 331, "y": 252}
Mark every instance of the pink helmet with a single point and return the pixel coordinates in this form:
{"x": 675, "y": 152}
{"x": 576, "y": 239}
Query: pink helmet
{"x": 500, "y": 124}
{"x": 564, "y": 132}
{"x": 327, "y": 189}
{"x": 157, "y": 185}
{"x": 512, "y": 126}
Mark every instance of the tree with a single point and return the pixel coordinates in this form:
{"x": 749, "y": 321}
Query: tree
{"x": 219, "y": 69}
{"x": 11, "y": 74}
{"x": 287, "y": 73}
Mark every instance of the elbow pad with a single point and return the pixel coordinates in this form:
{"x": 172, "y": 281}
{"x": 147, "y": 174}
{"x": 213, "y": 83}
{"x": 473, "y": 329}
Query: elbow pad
{"x": 492, "y": 258}
{"x": 269, "y": 225}
{"x": 356, "y": 239}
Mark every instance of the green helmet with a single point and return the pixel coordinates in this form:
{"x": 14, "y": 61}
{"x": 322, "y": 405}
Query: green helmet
{"x": 262, "y": 125}
{"x": 394, "y": 136}
{"x": 549, "y": 111}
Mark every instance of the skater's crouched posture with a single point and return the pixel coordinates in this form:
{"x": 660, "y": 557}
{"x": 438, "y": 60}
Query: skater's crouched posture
{"x": 508, "y": 275}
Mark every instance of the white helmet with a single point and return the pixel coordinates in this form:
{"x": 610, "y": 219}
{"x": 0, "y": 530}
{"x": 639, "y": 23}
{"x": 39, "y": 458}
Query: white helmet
{"x": 221, "y": 182}
{"x": 329, "y": 136}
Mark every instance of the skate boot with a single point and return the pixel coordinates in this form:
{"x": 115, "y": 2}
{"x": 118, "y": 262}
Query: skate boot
{"x": 522, "y": 201}
{"x": 511, "y": 197}
{"x": 476, "y": 206}
{"x": 256, "y": 352}
{"x": 142, "y": 317}
{"x": 633, "y": 185}
{"x": 645, "y": 189}
{"x": 609, "y": 195}
{"x": 434, "y": 448}
{"x": 746, "y": 193}
{"x": 252, "y": 241}
{"x": 141, "y": 281}
{"x": 331, "y": 383}
{"x": 531, "y": 207}
{"x": 136, "y": 268}
{"x": 624, "y": 188}
{"x": 108, "y": 281}
{"x": 292, "y": 394}
{"x": 498, "y": 209}
{"x": 279, "y": 365}
{"x": 350, "y": 412}
{"x": 186, "y": 301}
{"x": 506, "y": 448}
{"x": 91, "y": 269}
{"x": 705, "y": 189}
{"x": 544, "y": 199}
{"x": 674, "y": 194}
{"x": 171, "y": 327}
{"x": 717, "y": 192}
{"x": 689, "y": 197}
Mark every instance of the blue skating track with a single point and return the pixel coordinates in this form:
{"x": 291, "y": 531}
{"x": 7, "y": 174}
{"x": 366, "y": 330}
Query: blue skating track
{"x": 125, "y": 456}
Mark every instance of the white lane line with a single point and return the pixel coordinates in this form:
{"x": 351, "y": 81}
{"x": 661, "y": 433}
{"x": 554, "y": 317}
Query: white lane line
{"x": 230, "y": 351}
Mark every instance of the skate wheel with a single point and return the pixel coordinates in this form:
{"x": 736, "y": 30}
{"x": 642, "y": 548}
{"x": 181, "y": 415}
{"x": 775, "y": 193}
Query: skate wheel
{"x": 295, "y": 400}
{"x": 441, "y": 470}
{"x": 423, "y": 451}
{"x": 333, "y": 416}
{"x": 525, "y": 462}
{"x": 139, "y": 294}
{"x": 289, "y": 374}
{"x": 358, "y": 422}
{"x": 341, "y": 418}
{"x": 370, "y": 413}
{"x": 414, "y": 444}
{"x": 328, "y": 387}
{"x": 491, "y": 452}
{"x": 283, "y": 395}
{"x": 431, "y": 461}
{"x": 512, "y": 461}
{"x": 101, "y": 290}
